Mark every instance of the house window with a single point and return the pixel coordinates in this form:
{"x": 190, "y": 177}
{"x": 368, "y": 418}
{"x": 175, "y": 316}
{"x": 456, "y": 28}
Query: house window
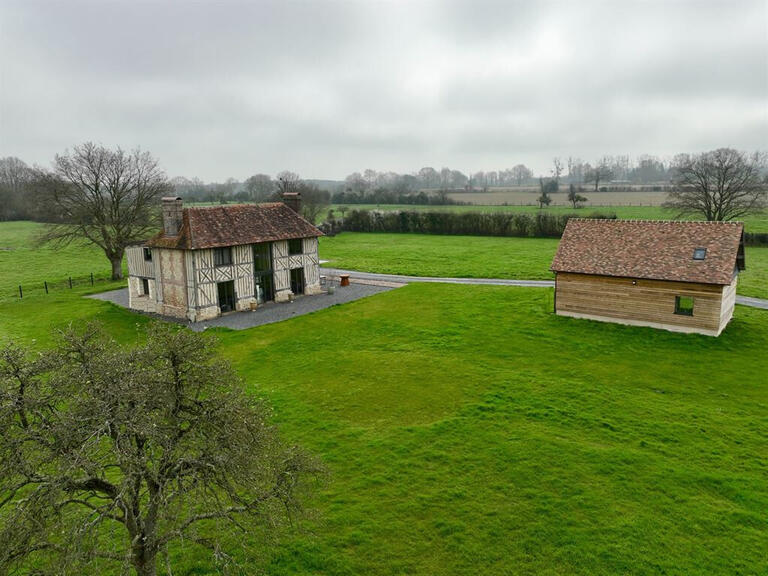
{"x": 147, "y": 254}
{"x": 699, "y": 253}
{"x": 295, "y": 246}
{"x": 684, "y": 305}
{"x": 222, "y": 256}
{"x": 262, "y": 258}
{"x": 144, "y": 287}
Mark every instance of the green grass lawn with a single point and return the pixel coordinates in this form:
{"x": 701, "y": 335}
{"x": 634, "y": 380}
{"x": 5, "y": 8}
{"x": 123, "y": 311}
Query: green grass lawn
{"x": 754, "y": 223}
{"x": 468, "y": 430}
{"x": 444, "y": 256}
{"x": 479, "y": 257}
{"x": 24, "y": 262}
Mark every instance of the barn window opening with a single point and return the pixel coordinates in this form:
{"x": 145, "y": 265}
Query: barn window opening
{"x": 262, "y": 257}
{"x": 699, "y": 253}
{"x": 295, "y": 246}
{"x": 147, "y": 254}
{"x": 144, "y": 287}
{"x": 684, "y": 305}
{"x": 222, "y": 256}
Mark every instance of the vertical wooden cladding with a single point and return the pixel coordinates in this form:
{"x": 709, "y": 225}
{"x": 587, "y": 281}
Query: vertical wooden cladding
{"x": 729, "y": 302}
{"x": 242, "y": 265}
{"x": 645, "y": 302}
{"x": 137, "y": 265}
{"x": 281, "y": 266}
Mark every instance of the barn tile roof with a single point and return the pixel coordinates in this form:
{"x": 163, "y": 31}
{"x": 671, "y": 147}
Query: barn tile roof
{"x": 234, "y": 225}
{"x": 651, "y": 249}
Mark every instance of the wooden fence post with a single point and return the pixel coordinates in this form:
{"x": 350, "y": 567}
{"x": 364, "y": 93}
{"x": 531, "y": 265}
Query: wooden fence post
{"x": 70, "y": 282}
{"x": 21, "y": 294}
{"x": 46, "y": 286}
{"x": 91, "y": 278}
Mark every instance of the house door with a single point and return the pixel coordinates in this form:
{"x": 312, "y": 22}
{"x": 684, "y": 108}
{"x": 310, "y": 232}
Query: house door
{"x": 265, "y": 289}
{"x": 226, "y": 296}
{"x": 297, "y": 281}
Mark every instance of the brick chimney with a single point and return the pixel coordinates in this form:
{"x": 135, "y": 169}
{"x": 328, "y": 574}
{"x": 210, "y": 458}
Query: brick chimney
{"x": 172, "y": 215}
{"x": 293, "y": 201}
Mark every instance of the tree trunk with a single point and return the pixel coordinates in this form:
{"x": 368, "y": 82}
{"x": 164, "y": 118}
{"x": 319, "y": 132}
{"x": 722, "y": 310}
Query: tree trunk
{"x": 145, "y": 566}
{"x": 143, "y": 558}
{"x": 117, "y": 267}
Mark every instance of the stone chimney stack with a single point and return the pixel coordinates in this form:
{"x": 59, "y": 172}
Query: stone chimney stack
{"x": 293, "y": 201}
{"x": 172, "y": 215}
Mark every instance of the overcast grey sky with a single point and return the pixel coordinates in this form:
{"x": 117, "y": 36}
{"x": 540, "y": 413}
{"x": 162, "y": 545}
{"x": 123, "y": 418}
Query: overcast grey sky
{"x": 225, "y": 88}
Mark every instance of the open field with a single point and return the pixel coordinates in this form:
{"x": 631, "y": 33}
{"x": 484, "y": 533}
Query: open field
{"x": 479, "y": 257}
{"x": 23, "y": 262}
{"x": 528, "y": 197}
{"x": 757, "y": 223}
{"x": 467, "y": 430}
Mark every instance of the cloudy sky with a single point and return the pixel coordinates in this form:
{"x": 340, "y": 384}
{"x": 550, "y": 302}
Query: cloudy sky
{"x": 227, "y": 88}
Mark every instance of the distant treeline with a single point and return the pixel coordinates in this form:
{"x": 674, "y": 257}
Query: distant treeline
{"x": 539, "y": 225}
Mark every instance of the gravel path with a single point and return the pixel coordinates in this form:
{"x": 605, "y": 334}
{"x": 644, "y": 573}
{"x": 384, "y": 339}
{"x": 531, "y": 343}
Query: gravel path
{"x": 369, "y": 276}
{"x": 268, "y": 313}
{"x": 753, "y": 302}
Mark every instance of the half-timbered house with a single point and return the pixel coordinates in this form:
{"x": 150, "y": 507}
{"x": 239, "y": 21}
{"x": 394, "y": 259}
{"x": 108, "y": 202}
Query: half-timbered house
{"x": 217, "y": 259}
{"x": 679, "y": 276}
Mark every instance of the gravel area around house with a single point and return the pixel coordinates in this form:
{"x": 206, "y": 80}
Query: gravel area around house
{"x": 267, "y": 313}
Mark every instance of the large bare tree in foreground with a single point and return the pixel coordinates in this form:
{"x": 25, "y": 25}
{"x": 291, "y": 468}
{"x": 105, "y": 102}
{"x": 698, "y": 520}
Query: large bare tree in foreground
{"x": 723, "y": 184}
{"x": 105, "y": 197}
{"x": 109, "y": 455}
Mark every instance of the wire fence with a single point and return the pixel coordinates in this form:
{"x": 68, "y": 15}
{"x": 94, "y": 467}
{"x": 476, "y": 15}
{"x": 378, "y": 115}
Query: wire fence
{"x": 46, "y": 287}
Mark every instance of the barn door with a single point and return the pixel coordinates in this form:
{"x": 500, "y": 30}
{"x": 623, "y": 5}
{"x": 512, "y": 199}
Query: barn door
{"x": 226, "y": 296}
{"x": 297, "y": 280}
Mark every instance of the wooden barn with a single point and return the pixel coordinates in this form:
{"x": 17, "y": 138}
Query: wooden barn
{"x": 679, "y": 276}
{"x": 211, "y": 260}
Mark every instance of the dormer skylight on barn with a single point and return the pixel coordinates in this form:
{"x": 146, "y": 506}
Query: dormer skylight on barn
{"x": 699, "y": 253}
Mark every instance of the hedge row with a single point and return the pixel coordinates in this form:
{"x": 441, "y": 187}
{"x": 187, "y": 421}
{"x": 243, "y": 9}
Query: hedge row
{"x": 755, "y": 239}
{"x": 539, "y": 225}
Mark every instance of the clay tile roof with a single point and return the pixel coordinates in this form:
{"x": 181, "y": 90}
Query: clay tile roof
{"x": 652, "y": 249}
{"x": 233, "y": 225}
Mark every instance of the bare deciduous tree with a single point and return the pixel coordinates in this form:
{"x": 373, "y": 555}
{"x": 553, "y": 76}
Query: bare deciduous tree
{"x": 288, "y": 182}
{"x": 521, "y": 173}
{"x": 722, "y": 184}
{"x": 557, "y": 169}
{"x": 601, "y": 171}
{"x": 545, "y": 199}
{"x": 104, "y": 197}
{"x": 313, "y": 201}
{"x": 15, "y": 180}
{"x": 574, "y": 197}
{"x": 259, "y": 187}
{"x": 111, "y": 455}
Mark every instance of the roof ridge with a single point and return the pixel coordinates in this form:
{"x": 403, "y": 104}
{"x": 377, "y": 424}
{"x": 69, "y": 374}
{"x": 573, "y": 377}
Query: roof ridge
{"x": 238, "y": 205}
{"x": 656, "y": 221}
